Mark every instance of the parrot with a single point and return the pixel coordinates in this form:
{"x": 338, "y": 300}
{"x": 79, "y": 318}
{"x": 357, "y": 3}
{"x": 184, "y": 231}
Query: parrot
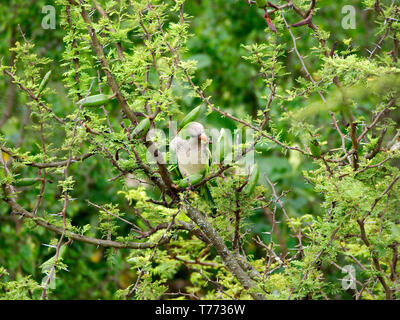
{"x": 193, "y": 156}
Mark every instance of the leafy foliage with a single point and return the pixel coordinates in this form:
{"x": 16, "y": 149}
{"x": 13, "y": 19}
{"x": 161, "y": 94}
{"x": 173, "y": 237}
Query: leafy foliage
{"x": 90, "y": 204}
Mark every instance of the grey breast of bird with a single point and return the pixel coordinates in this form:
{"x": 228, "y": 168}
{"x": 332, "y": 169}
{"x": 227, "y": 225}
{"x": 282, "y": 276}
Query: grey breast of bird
{"x": 192, "y": 154}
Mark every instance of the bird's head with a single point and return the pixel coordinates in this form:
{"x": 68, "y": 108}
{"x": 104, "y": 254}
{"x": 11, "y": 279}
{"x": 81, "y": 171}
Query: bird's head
{"x": 195, "y": 130}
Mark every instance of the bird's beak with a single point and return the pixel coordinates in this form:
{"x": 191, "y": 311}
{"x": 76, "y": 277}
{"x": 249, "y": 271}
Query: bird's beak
{"x": 203, "y": 138}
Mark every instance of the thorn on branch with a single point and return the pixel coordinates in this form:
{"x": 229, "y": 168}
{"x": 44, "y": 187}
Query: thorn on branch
{"x": 310, "y": 11}
{"x": 378, "y": 146}
{"x": 378, "y": 8}
{"x": 333, "y": 49}
{"x": 303, "y": 22}
{"x": 271, "y": 26}
{"x": 270, "y": 4}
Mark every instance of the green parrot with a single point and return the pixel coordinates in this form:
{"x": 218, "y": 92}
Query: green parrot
{"x": 193, "y": 156}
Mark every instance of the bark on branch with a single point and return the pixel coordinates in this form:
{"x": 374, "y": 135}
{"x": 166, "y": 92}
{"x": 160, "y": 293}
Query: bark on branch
{"x": 226, "y": 255}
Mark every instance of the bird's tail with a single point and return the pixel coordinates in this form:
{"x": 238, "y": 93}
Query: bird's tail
{"x": 206, "y": 194}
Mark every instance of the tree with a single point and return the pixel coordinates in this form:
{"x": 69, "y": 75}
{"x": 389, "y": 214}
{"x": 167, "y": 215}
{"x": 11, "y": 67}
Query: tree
{"x": 90, "y": 161}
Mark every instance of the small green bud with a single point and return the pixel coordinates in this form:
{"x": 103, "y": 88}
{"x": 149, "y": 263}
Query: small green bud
{"x": 192, "y": 179}
{"x": 95, "y": 101}
{"x": 222, "y": 147}
{"x": 44, "y": 82}
{"x": 26, "y": 182}
{"x": 141, "y": 128}
{"x": 191, "y": 116}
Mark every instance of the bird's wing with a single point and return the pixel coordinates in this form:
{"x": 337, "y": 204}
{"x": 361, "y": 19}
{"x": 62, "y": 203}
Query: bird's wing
{"x": 176, "y": 171}
{"x": 176, "y": 145}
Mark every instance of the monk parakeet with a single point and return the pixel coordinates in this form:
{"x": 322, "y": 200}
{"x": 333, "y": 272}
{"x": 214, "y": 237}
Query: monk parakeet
{"x": 193, "y": 155}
